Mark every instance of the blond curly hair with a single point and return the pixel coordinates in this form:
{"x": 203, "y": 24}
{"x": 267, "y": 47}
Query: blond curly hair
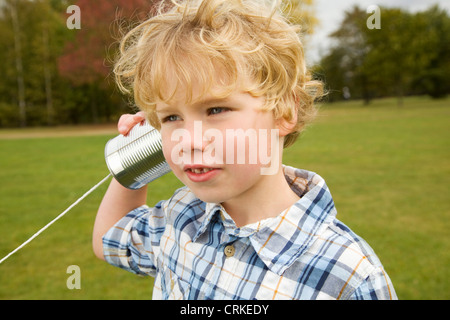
{"x": 191, "y": 40}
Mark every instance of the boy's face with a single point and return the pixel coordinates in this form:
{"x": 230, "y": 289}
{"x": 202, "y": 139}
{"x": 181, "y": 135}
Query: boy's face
{"x": 219, "y": 147}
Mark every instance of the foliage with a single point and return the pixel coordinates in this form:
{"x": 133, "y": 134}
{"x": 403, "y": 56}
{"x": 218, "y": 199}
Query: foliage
{"x": 53, "y": 75}
{"x": 408, "y": 55}
{"x": 66, "y": 74}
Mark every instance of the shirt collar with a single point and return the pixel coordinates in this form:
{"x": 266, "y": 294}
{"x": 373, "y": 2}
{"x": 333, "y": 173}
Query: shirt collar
{"x": 279, "y": 241}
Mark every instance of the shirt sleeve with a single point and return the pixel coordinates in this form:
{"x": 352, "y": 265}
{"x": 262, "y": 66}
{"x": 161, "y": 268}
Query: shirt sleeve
{"x": 377, "y": 286}
{"x": 133, "y": 243}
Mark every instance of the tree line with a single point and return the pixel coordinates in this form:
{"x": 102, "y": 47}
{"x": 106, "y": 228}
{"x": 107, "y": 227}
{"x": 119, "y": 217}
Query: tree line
{"x": 408, "y": 55}
{"x": 52, "y": 74}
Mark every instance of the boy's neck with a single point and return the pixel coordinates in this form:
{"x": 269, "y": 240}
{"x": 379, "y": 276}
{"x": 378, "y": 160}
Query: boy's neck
{"x": 268, "y": 200}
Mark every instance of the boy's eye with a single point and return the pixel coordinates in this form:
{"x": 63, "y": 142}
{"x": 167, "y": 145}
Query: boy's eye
{"x": 217, "y": 110}
{"x": 170, "y": 118}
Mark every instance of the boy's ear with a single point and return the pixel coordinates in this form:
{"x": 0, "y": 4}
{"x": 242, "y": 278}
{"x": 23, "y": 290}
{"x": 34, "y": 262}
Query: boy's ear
{"x": 286, "y": 126}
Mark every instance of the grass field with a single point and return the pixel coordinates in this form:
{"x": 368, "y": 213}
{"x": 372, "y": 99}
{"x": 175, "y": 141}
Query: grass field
{"x": 388, "y": 168}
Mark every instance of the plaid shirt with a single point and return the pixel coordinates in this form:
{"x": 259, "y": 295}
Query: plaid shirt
{"x": 195, "y": 250}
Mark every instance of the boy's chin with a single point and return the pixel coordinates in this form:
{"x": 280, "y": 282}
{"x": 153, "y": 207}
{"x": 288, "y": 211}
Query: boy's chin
{"x": 208, "y": 197}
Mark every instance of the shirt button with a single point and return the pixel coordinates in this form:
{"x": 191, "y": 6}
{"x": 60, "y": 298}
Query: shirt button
{"x": 229, "y": 251}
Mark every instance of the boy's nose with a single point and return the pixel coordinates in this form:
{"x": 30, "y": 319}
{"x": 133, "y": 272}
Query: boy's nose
{"x": 195, "y": 141}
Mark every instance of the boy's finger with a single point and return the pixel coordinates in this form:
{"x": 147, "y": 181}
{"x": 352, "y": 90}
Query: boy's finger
{"x": 126, "y": 122}
{"x": 139, "y": 117}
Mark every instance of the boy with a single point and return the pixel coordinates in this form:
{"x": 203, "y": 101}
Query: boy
{"x": 244, "y": 226}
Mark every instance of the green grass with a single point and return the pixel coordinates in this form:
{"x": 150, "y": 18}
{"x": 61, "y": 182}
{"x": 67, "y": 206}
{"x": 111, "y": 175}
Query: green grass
{"x": 387, "y": 167}
{"x": 40, "y": 179}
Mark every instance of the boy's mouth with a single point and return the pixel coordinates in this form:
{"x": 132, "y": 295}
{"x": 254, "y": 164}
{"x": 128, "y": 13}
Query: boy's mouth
{"x": 199, "y": 173}
{"x": 200, "y": 170}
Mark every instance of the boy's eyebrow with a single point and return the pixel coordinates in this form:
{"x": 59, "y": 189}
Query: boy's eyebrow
{"x": 209, "y": 101}
{"x": 199, "y": 103}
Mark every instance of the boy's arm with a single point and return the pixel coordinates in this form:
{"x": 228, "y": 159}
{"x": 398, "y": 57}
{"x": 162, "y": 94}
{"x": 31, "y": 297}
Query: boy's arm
{"x": 118, "y": 200}
{"x": 117, "y": 203}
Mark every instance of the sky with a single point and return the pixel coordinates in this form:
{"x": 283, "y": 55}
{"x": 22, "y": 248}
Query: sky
{"x": 331, "y": 12}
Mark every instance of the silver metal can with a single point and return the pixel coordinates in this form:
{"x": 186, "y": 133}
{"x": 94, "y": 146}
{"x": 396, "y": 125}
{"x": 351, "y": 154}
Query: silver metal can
{"x": 136, "y": 159}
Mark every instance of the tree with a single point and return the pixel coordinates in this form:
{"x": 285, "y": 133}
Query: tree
{"x": 87, "y": 60}
{"x": 31, "y": 42}
{"x": 410, "y": 54}
{"x": 13, "y": 8}
{"x": 434, "y": 78}
{"x": 344, "y": 66}
{"x": 395, "y": 52}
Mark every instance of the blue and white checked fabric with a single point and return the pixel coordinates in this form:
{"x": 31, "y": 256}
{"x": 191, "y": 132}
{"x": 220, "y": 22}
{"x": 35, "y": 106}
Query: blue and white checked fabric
{"x": 195, "y": 251}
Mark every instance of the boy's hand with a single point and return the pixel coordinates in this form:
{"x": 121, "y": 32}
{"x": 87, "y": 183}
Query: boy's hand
{"x": 128, "y": 121}
{"x": 118, "y": 200}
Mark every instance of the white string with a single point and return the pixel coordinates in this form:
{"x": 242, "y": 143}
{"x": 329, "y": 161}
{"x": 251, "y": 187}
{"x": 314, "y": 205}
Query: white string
{"x": 56, "y": 219}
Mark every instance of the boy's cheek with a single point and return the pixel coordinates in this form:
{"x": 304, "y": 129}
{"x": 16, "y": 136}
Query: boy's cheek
{"x": 242, "y": 147}
{"x": 167, "y": 151}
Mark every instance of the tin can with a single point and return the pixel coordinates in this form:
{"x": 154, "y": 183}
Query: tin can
{"x": 136, "y": 159}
